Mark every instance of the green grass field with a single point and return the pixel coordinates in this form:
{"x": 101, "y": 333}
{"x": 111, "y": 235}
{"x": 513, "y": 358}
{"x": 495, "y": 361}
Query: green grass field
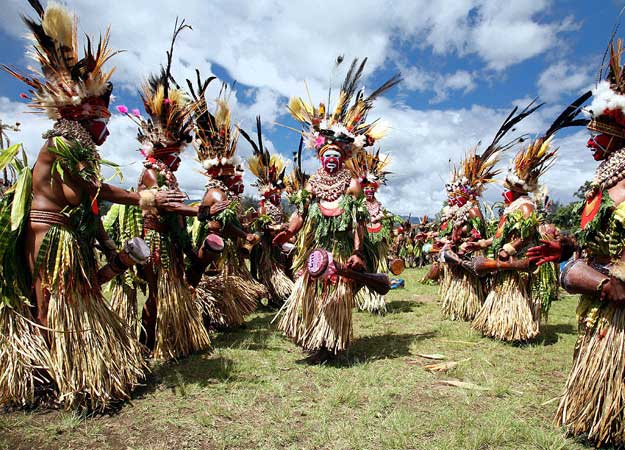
{"x": 250, "y": 392}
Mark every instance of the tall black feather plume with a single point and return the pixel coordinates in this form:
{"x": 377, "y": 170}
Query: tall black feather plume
{"x": 568, "y": 117}
{"x": 508, "y": 125}
{"x": 36, "y": 4}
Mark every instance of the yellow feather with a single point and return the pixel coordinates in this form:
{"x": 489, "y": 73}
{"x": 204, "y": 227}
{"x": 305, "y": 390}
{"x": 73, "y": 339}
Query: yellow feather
{"x": 58, "y": 23}
{"x": 379, "y": 129}
{"x": 222, "y": 115}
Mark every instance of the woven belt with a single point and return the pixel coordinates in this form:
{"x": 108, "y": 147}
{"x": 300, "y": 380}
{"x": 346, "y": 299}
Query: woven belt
{"x": 152, "y": 223}
{"x": 49, "y": 217}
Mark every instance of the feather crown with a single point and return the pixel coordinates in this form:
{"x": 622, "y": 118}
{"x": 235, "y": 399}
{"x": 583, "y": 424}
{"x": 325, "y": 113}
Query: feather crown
{"x": 531, "y": 162}
{"x": 65, "y": 86}
{"x": 476, "y": 170}
{"x": 607, "y": 110}
{"x": 268, "y": 169}
{"x": 369, "y": 167}
{"x": 169, "y": 126}
{"x": 345, "y": 127}
{"x": 215, "y": 137}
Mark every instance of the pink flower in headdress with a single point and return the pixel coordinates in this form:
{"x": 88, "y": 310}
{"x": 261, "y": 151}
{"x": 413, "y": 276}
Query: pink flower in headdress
{"x": 136, "y": 112}
{"x": 122, "y": 109}
{"x": 166, "y": 101}
{"x": 319, "y": 141}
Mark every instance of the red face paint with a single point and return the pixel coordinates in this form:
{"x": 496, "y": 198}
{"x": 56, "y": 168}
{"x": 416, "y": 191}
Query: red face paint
{"x": 98, "y": 130}
{"x": 509, "y": 197}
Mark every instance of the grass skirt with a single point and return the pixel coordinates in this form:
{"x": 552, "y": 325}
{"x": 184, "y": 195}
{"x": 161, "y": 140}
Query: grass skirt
{"x": 24, "y": 357}
{"x": 124, "y": 303}
{"x": 444, "y": 280}
{"x": 594, "y": 399}
{"x": 273, "y": 277}
{"x": 371, "y": 301}
{"x": 95, "y": 358}
{"x": 510, "y": 313}
{"x": 179, "y": 328}
{"x": 464, "y": 295}
{"x": 225, "y": 300}
{"x": 319, "y": 314}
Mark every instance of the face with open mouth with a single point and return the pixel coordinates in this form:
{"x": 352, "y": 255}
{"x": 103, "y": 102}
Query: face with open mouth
{"x": 369, "y": 192}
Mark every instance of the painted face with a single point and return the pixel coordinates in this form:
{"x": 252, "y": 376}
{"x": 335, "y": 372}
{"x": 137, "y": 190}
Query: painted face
{"x": 332, "y": 160}
{"x": 461, "y": 201}
{"x": 172, "y": 161}
{"x": 235, "y": 184}
{"x": 274, "y": 198}
{"x": 509, "y": 197}
{"x": 98, "y": 130}
{"x": 600, "y": 145}
{"x": 369, "y": 192}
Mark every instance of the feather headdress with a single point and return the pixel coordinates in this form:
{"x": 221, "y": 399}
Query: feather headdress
{"x": 66, "y": 86}
{"x": 369, "y": 167}
{"x": 268, "y": 169}
{"x": 169, "y": 126}
{"x": 215, "y": 137}
{"x": 345, "y": 127}
{"x": 476, "y": 170}
{"x": 607, "y": 110}
{"x": 537, "y": 157}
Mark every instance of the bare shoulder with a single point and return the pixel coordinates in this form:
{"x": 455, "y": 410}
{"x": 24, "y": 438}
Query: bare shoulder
{"x": 354, "y": 188}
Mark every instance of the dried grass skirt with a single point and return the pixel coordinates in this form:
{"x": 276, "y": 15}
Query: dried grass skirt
{"x": 509, "y": 312}
{"x": 594, "y": 399}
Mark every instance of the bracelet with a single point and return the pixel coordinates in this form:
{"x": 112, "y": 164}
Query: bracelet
{"x": 147, "y": 201}
{"x": 509, "y": 249}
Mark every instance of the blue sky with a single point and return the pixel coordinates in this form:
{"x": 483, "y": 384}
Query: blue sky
{"x": 465, "y": 64}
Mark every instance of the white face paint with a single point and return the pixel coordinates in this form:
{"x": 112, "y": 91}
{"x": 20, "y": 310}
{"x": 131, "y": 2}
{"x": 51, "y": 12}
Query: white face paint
{"x": 331, "y": 160}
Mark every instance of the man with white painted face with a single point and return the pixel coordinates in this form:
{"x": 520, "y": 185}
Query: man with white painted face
{"x": 330, "y": 221}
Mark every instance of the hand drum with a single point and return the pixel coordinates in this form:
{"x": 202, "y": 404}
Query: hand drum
{"x": 317, "y": 262}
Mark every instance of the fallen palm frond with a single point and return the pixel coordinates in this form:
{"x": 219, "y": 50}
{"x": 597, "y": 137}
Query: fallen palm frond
{"x": 461, "y": 384}
{"x": 445, "y": 366}
{"x": 436, "y": 356}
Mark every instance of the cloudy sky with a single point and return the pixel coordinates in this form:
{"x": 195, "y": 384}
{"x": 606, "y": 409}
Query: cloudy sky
{"x": 465, "y": 64}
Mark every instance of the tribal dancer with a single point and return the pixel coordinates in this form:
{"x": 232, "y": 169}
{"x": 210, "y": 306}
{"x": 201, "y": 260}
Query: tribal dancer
{"x": 227, "y": 291}
{"x": 512, "y": 310}
{"x": 465, "y": 295}
{"x": 92, "y": 358}
{"x": 267, "y": 260}
{"x": 171, "y": 321}
{"x": 370, "y": 169}
{"x": 331, "y": 215}
{"x": 593, "y": 403}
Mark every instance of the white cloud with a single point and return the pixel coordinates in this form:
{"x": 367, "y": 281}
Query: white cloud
{"x": 273, "y": 46}
{"x": 442, "y": 85}
{"x": 561, "y": 79}
{"x": 278, "y": 44}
